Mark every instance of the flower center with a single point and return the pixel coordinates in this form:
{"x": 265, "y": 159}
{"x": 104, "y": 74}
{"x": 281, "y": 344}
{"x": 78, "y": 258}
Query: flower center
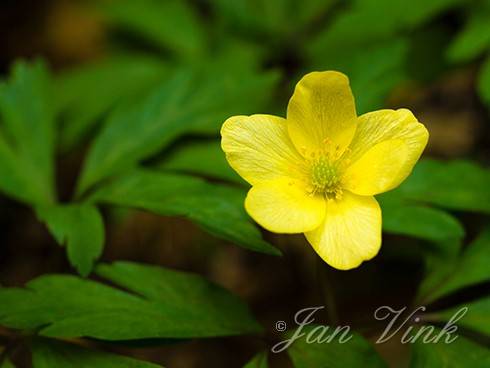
{"x": 325, "y": 177}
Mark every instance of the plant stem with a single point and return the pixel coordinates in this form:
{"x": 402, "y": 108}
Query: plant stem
{"x": 328, "y": 294}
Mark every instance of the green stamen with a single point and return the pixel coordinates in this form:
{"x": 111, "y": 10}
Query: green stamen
{"x": 325, "y": 177}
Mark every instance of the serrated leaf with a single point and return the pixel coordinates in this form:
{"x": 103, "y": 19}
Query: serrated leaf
{"x": 133, "y": 134}
{"x": 170, "y": 24}
{"x": 461, "y": 353}
{"x": 81, "y": 228}
{"x": 448, "y": 275}
{"x": 477, "y": 317}
{"x": 356, "y": 352}
{"x": 158, "y": 303}
{"x": 204, "y": 158}
{"x": 86, "y": 93}
{"x": 440, "y": 183}
{"x": 27, "y": 134}
{"x": 216, "y": 208}
{"x": 56, "y": 354}
{"x": 258, "y": 361}
{"x": 188, "y": 102}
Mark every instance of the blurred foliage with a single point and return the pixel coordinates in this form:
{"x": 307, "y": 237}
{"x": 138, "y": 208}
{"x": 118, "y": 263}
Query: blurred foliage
{"x": 184, "y": 103}
{"x": 145, "y": 120}
{"x": 439, "y": 183}
{"x": 86, "y": 93}
{"x": 474, "y": 39}
{"x": 450, "y": 274}
{"x": 217, "y": 208}
{"x": 477, "y": 317}
{"x": 27, "y": 135}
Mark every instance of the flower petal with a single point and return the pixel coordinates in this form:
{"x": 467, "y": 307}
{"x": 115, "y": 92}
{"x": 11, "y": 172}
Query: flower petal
{"x": 284, "y": 206}
{"x": 386, "y": 146}
{"x": 378, "y": 170}
{"x": 259, "y": 149}
{"x": 322, "y": 113}
{"x": 351, "y": 232}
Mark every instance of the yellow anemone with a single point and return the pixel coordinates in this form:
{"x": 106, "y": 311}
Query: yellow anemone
{"x": 316, "y": 171}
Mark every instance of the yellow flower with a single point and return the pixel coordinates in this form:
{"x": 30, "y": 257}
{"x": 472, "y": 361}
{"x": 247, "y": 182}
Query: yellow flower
{"x": 317, "y": 171}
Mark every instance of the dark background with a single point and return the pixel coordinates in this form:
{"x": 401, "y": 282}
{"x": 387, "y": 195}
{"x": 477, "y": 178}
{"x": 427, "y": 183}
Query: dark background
{"x": 441, "y": 93}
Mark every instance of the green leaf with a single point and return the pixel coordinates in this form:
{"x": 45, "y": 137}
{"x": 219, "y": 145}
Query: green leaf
{"x": 170, "y": 24}
{"x": 55, "y": 354}
{"x": 356, "y": 352}
{"x": 159, "y": 303}
{"x": 15, "y": 176}
{"x": 86, "y": 93}
{"x": 440, "y": 183}
{"x": 81, "y": 228}
{"x": 204, "y": 158}
{"x": 474, "y": 39}
{"x": 461, "y": 353}
{"x": 216, "y": 208}
{"x": 437, "y": 269}
{"x": 133, "y": 134}
{"x": 448, "y": 275}
{"x": 405, "y": 218}
{"x": 258, "y": 361}
{"x": 477, "y": 317}
{"x": 27, "y": 134}
{"x": 484, "y": 82}
{"x": 373, "y": 70}
{"x": 185, "y": 103}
